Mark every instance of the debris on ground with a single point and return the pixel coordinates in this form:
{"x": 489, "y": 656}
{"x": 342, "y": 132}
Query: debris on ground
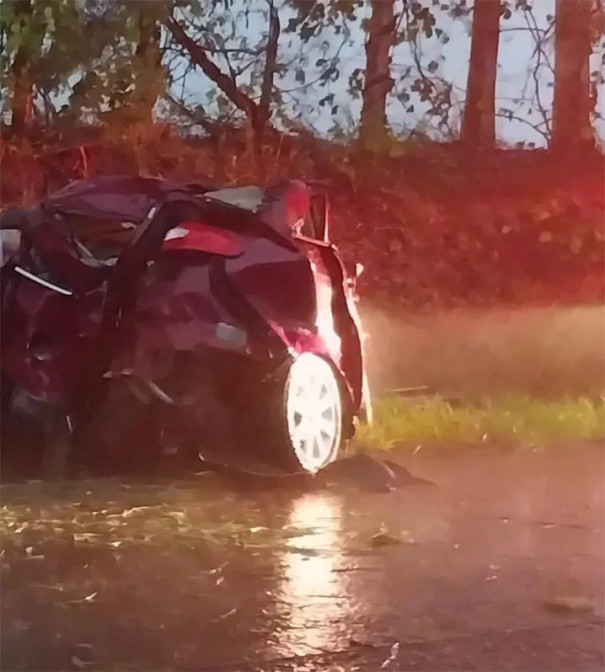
{"x": 369, "y": 474}
{"x": 566, "y": 603}
{"x": 392, "y": 657}
{"x": 384, "y": 539}
{"x": 404, "y": 476}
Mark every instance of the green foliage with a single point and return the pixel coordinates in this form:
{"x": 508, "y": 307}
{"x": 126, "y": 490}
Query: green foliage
{"x": 94, "y": 42}
{"x": 29, "y": 29}
{"x": 419, "y": 20}
{"x": 312, "y": 17}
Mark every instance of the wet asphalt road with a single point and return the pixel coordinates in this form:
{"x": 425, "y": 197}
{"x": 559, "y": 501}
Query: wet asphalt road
{"x": 200, "y": 575}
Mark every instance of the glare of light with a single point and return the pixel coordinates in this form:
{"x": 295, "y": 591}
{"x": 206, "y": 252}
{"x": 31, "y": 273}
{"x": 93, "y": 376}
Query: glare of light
{"x": 314, "y": 411}
{"x": 325, "y": 321}
{"x": 311, "y": 588}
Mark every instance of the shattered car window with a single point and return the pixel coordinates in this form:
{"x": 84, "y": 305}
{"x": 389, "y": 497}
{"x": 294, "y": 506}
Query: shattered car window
{"x": 100, "y": 239}
{"x": 247, "y": 198}
{"x": 10, "y": 240}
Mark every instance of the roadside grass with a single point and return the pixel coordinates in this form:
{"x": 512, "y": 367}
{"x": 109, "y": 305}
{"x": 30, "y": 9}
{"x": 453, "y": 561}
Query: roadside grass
{"x": 513, "y": 420}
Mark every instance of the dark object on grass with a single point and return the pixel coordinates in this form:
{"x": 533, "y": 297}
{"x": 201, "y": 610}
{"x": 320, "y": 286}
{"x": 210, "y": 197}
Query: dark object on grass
{"x": 362, "y": 471}
{"x": 370, "y": 474}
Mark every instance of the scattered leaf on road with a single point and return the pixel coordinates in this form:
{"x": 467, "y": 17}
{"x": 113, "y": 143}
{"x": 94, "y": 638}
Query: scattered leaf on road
{"x": 569, "y": 604}
{"x": 218, "y": 569}
{"x": 79, "y": 664}
{"x": 357, "y": 643}
{"x": 88, "y": 599}
{"x": 135, "y": 509}
{"x": 225, "y": 615}
{"x": 392, "y": 658}
{"x": 179, "y": 516}
{"x": 383, "y": 539}
{"x": 86, "y": 536}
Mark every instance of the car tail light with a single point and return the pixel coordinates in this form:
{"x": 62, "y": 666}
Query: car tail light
{"x": 204, "y": 238}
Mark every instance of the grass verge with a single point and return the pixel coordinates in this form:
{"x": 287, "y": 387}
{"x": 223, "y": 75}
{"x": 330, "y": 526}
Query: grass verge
{"x": 525, "y": 420}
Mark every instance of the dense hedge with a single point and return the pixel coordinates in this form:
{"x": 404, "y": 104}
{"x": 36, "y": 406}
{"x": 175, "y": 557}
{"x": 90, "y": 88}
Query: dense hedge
{"x": 508, "y": 228}
{"x": 434, "y": 225}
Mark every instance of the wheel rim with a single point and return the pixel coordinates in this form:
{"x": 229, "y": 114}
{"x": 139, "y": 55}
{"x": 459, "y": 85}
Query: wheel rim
{"x": 314, "y": 411}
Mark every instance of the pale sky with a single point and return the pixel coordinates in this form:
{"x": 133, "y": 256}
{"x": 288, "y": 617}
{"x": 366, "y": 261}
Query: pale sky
{"x": 514, "y": 70}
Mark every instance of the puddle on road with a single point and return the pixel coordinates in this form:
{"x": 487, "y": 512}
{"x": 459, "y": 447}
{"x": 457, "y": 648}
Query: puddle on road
{"x": 193, "y": 574}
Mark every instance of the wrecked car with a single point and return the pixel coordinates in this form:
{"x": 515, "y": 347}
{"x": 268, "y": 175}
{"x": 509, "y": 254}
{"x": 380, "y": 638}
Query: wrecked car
{"x": 147, "y": 320}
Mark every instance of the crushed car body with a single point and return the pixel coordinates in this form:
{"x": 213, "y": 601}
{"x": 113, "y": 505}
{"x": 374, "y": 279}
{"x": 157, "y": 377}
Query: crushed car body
{"x": 143, "y": 317}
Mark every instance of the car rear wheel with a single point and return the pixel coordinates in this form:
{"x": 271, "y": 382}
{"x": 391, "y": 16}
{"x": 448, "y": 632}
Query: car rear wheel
{"x": 313, "y": 413}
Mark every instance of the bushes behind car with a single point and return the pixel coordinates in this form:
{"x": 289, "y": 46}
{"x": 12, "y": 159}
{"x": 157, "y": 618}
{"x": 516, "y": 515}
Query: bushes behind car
{"x": 434, "y": 226}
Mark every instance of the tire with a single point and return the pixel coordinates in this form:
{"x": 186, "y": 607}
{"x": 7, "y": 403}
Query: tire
{"x": 308, "y": 418}
{"x": 122, "y": 436}
{"x": 57, "y": 446}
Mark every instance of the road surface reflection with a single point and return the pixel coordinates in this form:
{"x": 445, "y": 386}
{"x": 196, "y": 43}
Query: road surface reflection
{"x": 313, "y": 596}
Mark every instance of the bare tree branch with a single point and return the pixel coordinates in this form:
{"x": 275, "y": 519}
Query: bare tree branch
{"x": 197, "y": 116}
{"x": 513, "y": 117}
{"x": 270, "y": 65}
{"x": 211, "y": 70}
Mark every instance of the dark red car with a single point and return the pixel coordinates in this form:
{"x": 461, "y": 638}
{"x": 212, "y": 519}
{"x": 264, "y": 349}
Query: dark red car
{"x": 143, "y": 318}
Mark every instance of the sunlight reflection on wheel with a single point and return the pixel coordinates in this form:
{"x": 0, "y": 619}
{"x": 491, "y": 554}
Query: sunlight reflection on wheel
{"x": 314, "y": 411}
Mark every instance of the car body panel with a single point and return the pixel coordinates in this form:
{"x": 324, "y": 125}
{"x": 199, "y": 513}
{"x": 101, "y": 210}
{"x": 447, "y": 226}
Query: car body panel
{"x": 251, "y": 285}
{"x": 126, "y": 198}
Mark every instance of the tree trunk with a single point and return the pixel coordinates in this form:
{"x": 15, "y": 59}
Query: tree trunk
{"x": 148, "y": 60}
{"x": 256, "y": 115}
{"x": 199, "y": 56}
{"x": 22, "y": 99}
{"x": 378, "y": 83}
{"x": 572, "y": 128}
{"x": 479, "y": 122}
{"x": 263, "y": 112}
